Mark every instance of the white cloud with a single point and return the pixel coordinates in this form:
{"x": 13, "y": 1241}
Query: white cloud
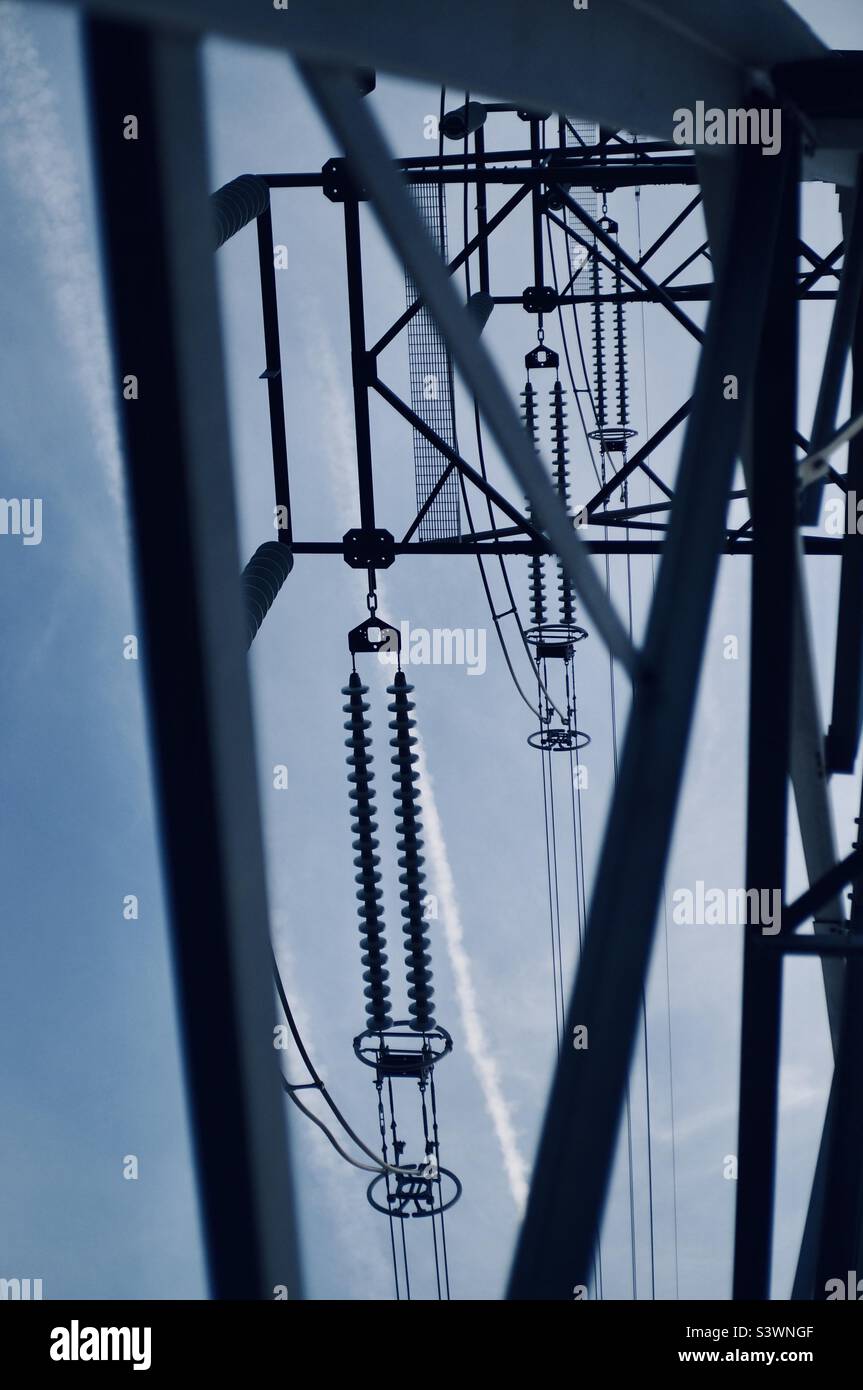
{"x": 40, "y": 162}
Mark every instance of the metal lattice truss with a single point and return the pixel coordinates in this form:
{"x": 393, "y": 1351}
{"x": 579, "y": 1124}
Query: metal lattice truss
{"x": 143, "y": 56}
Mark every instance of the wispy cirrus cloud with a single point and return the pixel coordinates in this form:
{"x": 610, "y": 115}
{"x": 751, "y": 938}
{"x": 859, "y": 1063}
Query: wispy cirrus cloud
{"x": 38, "y": 156}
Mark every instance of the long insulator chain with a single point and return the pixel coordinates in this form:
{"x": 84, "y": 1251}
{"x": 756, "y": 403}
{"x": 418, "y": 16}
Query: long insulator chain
{"x": 409, "y": 845}
{"x": 598, "y": 345}
{"x": 620, "y": 337}
{"x": 537, "y": 573}
{"x": 364, "y": 826}
{"x": 558, "y": 434}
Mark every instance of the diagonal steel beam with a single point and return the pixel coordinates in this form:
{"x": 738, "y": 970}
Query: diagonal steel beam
{"x": 843, "y": 736}
{"x": 692, "y": 52}
{"x": 273, "y": 374}
{"x": 355, "y": 128}
{"x": 656, "y": 291}
{"x": 821, "y": 265}
{"x": 583, "y": 241}
{"x": 839, "y": 1228}
{"x": 804, "y": 1275}
{"x": 693, "y": 256}
{"x": 841, "y": 748}
{"x": 808, "y": 771}
{"x": 825, "y": 267}
{"x": 159, "y": 260}
{"x": 639, "y": 457}
{"x": 843, "y": 436}
{"x": 833, "y": 1232}
{"x": 479, "y": 241}
{"x": 809, "y": 780}
{"x": 456, "y": 461}
{"x": 838, "y": 346}
{"x": 773, "y": 494}
{"x": 669, "y": 230}
{"x": 572, "y": 1167}
{"x": 808, "y": 776}
{"x": 429, "y": 503}
{"x": 821, "y": 892}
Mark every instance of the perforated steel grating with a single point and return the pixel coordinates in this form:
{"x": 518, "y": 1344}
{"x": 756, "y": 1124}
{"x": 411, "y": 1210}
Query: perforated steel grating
{"x": 579, "y": 133}
{"x": 431, "y": 387}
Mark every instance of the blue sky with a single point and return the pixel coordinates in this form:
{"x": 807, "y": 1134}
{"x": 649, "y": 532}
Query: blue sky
{"x": 92, "y": 1070}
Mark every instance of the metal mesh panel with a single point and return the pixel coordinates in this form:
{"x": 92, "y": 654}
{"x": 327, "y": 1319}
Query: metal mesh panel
{"x": 579, "y": 133}
{"x": 431, "y": 387}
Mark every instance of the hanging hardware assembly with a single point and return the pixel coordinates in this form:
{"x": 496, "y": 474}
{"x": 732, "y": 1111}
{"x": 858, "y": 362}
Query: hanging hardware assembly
{"x": 552, "y": 640}
{"x": 397, "y": 1050}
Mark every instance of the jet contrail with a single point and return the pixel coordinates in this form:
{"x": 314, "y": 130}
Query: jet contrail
{"x": 342, "y": 449}
{"x": 41, "y": 164}
{"x": 476, "y": 1038}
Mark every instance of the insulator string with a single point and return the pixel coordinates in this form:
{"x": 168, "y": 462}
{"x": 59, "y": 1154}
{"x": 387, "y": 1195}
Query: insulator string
{"x": 598, "y": 343}
{"x": 620, "y": 337}
{"x": 367, "y": 860}
{"x": 561, "y": 472}
{"x": 537, "y": 572}
{"x": 411, "y": 858}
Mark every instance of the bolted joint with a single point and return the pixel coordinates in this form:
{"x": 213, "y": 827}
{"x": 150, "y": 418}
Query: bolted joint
{"x": 369, "y": 549}
{"x": 339, "y": 184}
{"x": 539, "y": 299}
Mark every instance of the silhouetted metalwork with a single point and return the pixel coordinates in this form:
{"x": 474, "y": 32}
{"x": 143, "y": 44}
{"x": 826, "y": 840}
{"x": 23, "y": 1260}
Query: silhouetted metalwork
{"x": 164, "y": 319}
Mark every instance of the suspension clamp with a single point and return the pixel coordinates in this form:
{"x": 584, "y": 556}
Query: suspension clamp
{"x": 374, "y": 635}
{"x": 541, "y": 356}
